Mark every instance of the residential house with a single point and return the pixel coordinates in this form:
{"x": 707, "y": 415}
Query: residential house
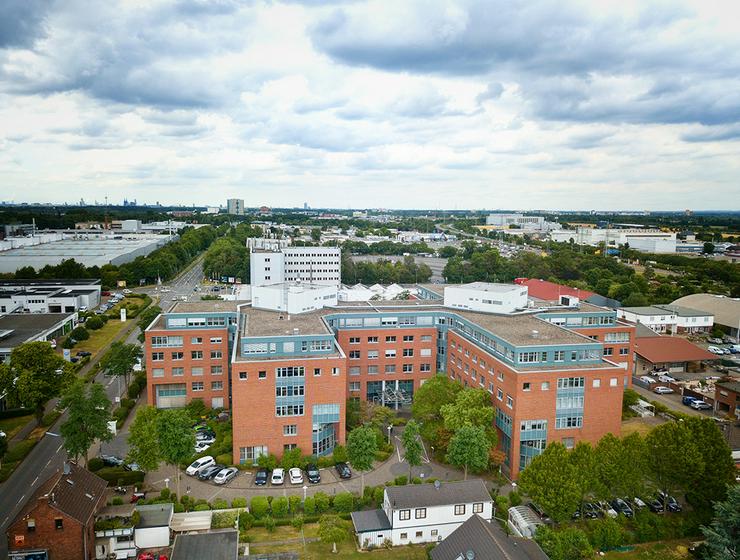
{"x": 727, "y": 398}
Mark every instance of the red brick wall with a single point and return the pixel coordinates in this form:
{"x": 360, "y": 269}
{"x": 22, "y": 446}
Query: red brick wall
{"x": 63, "y": 544}
{"x": 188, "y": 363}
{"x": 344, "y": 336}
{"x": 253, "y": 411}
{"x": 599, "y": 333}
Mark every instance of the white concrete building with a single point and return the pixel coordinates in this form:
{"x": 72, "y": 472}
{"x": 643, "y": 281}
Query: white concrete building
{"x": 665, "y": 318}
{"x": 39, "y": 296}
{"x": 293, "y": 297}
{"x": 314, "y": 265}
{"x": 268, "y": 244}
{"x": 153, "y": 528}
{"x": 414, "y": 513}
{"x": 486, "y": 297}
{"x": 647, "y": 240}
{"x": 520, "y": 221}
{"x": 235, "y": 206}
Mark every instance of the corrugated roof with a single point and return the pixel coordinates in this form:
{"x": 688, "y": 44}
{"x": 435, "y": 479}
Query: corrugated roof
{"x": 726, "y": 310}
{"x": 428, "y": 495}
{"x": 661, "y": 349}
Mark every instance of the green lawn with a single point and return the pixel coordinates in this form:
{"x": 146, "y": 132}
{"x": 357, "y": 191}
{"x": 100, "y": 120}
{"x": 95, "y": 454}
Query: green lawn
{"x": 346, "y": 550}
{"x": 11, "y": 425}
{"x": 98, "y": 339}
{"x": 665, "y": 550}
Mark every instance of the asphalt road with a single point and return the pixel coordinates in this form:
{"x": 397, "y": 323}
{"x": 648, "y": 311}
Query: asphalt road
{"x": 48, "y": 455}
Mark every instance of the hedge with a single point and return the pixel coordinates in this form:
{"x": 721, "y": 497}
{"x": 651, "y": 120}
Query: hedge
{"x": 15, "y": 413}
{"x": 119, "y": 475}
{"x": 19, "y": 451}
{"x": 95, "y": 464}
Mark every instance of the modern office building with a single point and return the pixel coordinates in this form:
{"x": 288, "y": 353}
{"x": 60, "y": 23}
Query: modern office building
{"x": 235, "y": 206}
{"x": 48, "y": 296}
{"x": 315, "y": 265}
{"x": 641, "y": 239}
{"x": 555, "y": 371}
{"x": 520, "y": 221}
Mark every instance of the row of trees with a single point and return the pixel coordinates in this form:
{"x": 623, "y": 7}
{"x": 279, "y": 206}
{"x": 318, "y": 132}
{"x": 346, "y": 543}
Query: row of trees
{"x": 385, "y": 248}
{"x": 383, "y": 271}
{"x": 689, "y": 457}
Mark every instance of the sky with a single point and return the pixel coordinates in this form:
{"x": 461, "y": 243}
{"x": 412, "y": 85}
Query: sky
{"x": 515, "y": 104}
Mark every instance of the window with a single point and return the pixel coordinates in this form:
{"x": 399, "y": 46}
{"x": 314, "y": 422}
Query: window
{"x": 196, "y": 354}
{"x": 419, "y": 534}
{"x": 290, "y": 391}
{"x": 390, "y": 339}
{"x": 262, "y": 375}
{"x": 178, "y": 355}
{"x": 58, "y": 523}
{"x": 390, "y": 353}
{"x": 509, "y": 401}
{"x": 289, "y": 446}
{"x": 500, "y": 375}
{"x": 216, "y": 354}
{"x": 196, "y": 340}
{"x": 408, "y": 352}
{"x": 354, "y": 355}
{"x": 197, "y": 386}
{"x": 372, "y": 370}
{"x": 434, "y": 532}
{"x": 290, "y": 430}
{"x": 608, "y": 351}
{"x": 526, "y": 386}
{"x": 478, "y": 507}
{"x": 178, "y": 371}
{"x": 566, "y": 422}
{"x": 372, "y": 354}
{"x": 217, "y": 370}
{"x": 354, "y": 339}
{"x": 571, "y": 382}
{"x": 217, "y": 385}
{"x": 545, "y": 386}
{"x": 354, "y": 370}
{"x": 420, "y": 513}
{"x": 460, "y": 509}
{"x": 569, "y": 442}
{"x": 408, "y": 338}
{"x": 426, "y": 338}
{"x": 289, "y": 410}
{"x": 404, "y": 514}
{"x": 289, "y": 371}
{"x": 317, "y": 372}
{"x": 613, "y": 382}
{"x": 404, "y": 536}
{"x": 243, "y": 375}
{"x": 500, "y": 395}
{"x": 408, "y": 368}
{"x": 335, "y": 371}
{"x": 425, "y": 352}
{"x": 596, "y": 383}
{"x": 624, "y": 351}
{"x": 372, "y": 339}
{"x": 158, "y": 372}
{"x": 216, "y": 340}
{"x": 425, "y": 367}
{"x": 390, "y": 368}
{"x": 529, "y": 357}
{"x": 31, "y": 525}
{"x": 354, "y": 386}
{"x": 157, "y": 356}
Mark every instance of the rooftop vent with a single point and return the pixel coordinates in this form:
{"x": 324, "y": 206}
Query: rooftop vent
{"x": 296, "y": 331}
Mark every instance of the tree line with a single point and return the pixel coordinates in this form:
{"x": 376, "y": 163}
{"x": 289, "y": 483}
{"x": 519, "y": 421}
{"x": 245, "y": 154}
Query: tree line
{"x": 383, "y": 271}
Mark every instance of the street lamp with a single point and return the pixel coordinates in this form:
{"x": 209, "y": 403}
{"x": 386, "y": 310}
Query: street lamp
{"x": 305, "y": 488}
{"x": 390, "y": 428}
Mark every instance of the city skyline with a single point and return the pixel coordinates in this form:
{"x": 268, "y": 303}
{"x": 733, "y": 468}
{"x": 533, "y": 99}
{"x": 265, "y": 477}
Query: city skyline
{"x": 608, "y": 105}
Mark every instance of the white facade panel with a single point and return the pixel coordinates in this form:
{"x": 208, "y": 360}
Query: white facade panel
{"x": 152, "y": 537}
{"x": 488, "y": 298}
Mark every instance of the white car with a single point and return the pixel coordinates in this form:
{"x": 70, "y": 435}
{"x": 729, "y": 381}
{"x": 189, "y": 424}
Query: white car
{"x": 666, "y": 378}
{"x": 647, "y": 379}
{"x": 127, "y": 291}
{"x": 200, "y": 464}
{"x": 137, "y": 365}
{"x": 202, "y": 446}
{"x": 296, "y": 475}
{"x": 662, "y": 390}
{"x": 2, "y": 434}
{"x": 715, "y": 350}
{"x": 225, "y": 475}
{"x": 278, "y": 476}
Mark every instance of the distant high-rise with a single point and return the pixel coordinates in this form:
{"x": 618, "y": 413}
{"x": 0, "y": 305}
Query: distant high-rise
{"x": 305, "y": 205}
{"x": 235, "y": 206}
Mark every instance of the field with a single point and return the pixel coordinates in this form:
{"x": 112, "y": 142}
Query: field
{"x": 346, "y": 550}
{"x": 640, "y": 425}
{"x": 667, "y": 550}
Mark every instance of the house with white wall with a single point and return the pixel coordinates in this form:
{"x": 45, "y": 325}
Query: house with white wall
{"x": 422, "y": 513}
{"x": 665, "y": 318}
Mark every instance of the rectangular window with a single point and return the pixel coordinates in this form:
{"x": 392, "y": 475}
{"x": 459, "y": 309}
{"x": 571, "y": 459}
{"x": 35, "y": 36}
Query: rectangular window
{"x": 478, "y": 507}
{"x": 157, "y": 356}
{"x": 158, "y": 372}
{"x": 196, "y": 340}
{"x": 197, "y": 386}
{"x": 509, "y": 401}
{"x": 390, "y": 339}
{"x": 425, "y": 367}
{"x": 529, "y": 357}
{"x": 216, "y": 340}
{"x": 390, "y": 353}
{"x": 545, "y": 386}
{"x": 290, "y": 430}
{"x": 178, "y": 355}
{"x": 624, "y": 351}
{"x": 435, "y": 532}
{"x": 404, "y": 536}
{"x": 196, "y": 354}
{"x": 460, "y": 509}
{"x": 571, "y": 382}
{"x": 408, "y": 352}
{"x": 354, "y": 370}
{"x": 58, "y": 523}
{"x": 526, "y": 386}
{"x": 243, "y": 375}
{"x": 354, "y": 386}
{"x": 317, "y": 372}
{"x": 262, "y": 375}
{"x": 420, "y": 513}
{"x": 178, "y": 371}
{"x": 217, "y": 385}
{"x": 372, "y": 339}
{"x": 425, "y": 352}
{"x": 289, "y": 371}
{"x": 217, "y": 370}
{"x": 216, "y": 354}
{"x": 408, "y": 368}
{"x": 289, "y": 410}
{"x": 404, "y": 514}
{"x": 500, "y": 395}
{"x": 426, "y": 338}
{"x": 390, "y": 368}
{"x": 354, "y": 339}
{"x": 608, "y": 351}
{"x": 596, "y": 383}
{"x": 290, "y": 391}
{"x": 613, "y": 382}
{"x": 569, "y": 442}
{"x": 565, "y": 422}
{"x": 408, "y": 338}
{"x": 372, "y": 354}
{"x": 354, "y": 355}
{"x": 371, "y": 370}
{"x": 31, "y": 525}
{"x": 500, "y": 375}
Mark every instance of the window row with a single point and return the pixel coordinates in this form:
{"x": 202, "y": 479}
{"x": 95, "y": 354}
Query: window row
{"x": 194, "y": 355}
{"x": 180, "y": 371}
{"x": 215, "y": 385}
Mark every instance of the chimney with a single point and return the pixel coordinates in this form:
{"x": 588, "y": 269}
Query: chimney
{"x": 296, "y": 331}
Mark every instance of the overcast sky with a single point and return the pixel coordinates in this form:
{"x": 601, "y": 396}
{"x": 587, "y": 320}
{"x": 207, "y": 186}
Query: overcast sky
{"x": 400, "y": 104}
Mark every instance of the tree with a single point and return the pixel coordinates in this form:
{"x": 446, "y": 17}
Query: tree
{"x": 432, "y": 396}
{"x": 411, "y": 445}
{"x": 176, "y": 438}
{"x": 79, "y": 333}
{"x": 120, "y": 359}
{"x": 471, "y": 406}
{"x": 565, "y": 544}
{"x": 672, "y": 457}
{"x": 708, "y": 248}
{"x": 143, "y": 439}
{"x": 361, "y": 449}
{"x": 3, "y": 448}
{"x": 469, "y": 448}
{"x": 147, "y": 316}
{"x": 583, "y": 460}
{"x": 332, "y": 530}
{"x": 620, "y": 465}
{"x": 551, "y": 481}
{"x": 35, "y": 374}
{"x": 88, "y": 410}
{"x": 316, "y": 234}
{"x": 710, "y": 484}
{"x": 447, "y": 251}
{"x": 723, "y": 535}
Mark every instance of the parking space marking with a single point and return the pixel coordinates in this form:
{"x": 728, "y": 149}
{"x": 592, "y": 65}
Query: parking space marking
{"x": 216, "y": 494}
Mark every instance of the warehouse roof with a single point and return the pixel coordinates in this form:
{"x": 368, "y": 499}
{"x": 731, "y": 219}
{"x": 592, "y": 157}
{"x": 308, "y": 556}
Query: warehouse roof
{"x": 662, "y": 349}
{"x": 23, "y": 327}
{"x": 726, "y": 310}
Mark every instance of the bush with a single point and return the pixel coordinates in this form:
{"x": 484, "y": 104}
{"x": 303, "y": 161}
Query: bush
{"x": 269, "y": 524}
{"x": 294, "y": 504}
{"x": 515, "y": 499}
{"x": 197, "y": 409}
{"x": 566, "y": 544}
{"x": 224, "y": 459}
{"x": 95, "y": 464}
{"x": 502, "y": 505}
{"x": 268, "y": 462}
{"x": 117, "y": 501}
{"x": 344, "y": 502}
{"x": 292, "y": 458}
{"x": 378, "y": 495}
{"x": 400, "y": 480}
{"x": 309, "y": 506}
{"x": 94, "y": 323}
{"x": 79, "y": 333}
{"x": 416, "y": 480}
{"x": 298, "y": 522}
{"x": 68, "y": 343}
{"x": 119, "y": 476}
{"x": 259, "y": 506}
{"x": 322, "y": 502}
{"x": 223, "y": 520}
{"x": 606, "y": 534}
{"x": 133, "y": 390}
{"x": 340, "y": 454}
{"x": 202, "y": 507}
{"x": 220, "y": 503}
{"x": 280, "y": 506}
{"x": 246, "y": 520}
{"x": 382, "y": 456}
{"x": 239, "y": 501}
{"x": 164, "y": 493}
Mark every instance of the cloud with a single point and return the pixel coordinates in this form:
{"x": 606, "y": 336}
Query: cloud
{"x": 712, "y": 134}
{"x": 21, "y": 22}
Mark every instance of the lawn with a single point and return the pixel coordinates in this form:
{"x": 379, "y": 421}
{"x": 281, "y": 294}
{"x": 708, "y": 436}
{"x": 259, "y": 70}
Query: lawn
{"x": 665, "y": 550}
{"x": 260, "y": 534}
{"x": 11, "y": 425}
{"x": 346, "y": 550}
{"x": 640, "y": 425}
{"x": 98, "y": 339}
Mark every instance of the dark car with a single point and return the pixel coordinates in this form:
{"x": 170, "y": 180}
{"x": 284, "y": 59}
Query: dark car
{"x": 343, "y": 470}
{"x": 209, "y": 472}
{"x": 111, "y": 460}
{"x": 620, "y": 506}
{"x": 541, "y": 512}
{"x": 672, "y": 504}
{"x": 655, "y": 505}
{"x": 589, "y": 511}
{"x": 83, "y": 353}
{"x": 313, "y": 474}
{"x": 260, "y": 478}
{"x": 203, "y": 435}
{"x": 688, "y": 400}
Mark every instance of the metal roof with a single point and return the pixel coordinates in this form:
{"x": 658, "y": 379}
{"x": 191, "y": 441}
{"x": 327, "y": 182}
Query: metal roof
{"x": 726, "y": 310}
{"x": 222, "y": 545}
{"x": 373, "y": 520}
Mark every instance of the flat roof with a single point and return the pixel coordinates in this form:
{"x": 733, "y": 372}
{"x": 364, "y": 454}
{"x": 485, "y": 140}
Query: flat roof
{"x": 58, "y": 282}
{"x": 682, "y": 311}
{"x": 206, "y": 306}
{"x": 216, "y": 545}
{"x": 645, "y": 310}
{"x": 154, "y": 515}
{"x": 726, "y": 310}
{"x": 24, "y": 326}
{"x": 487, "y": 287}
{"x": 261, "y": 322}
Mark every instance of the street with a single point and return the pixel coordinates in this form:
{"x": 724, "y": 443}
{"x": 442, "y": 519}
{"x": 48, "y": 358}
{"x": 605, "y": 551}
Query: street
{"x": 48, "y": 455}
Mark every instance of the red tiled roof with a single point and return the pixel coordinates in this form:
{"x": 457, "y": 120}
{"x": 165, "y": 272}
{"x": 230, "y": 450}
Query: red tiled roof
{"x": 542, "y": 289}
{"x": 661, "y": 349}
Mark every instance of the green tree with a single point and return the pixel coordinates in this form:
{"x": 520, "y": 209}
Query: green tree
{"x": 565, "y": 544}
{"x": 147, "y": 316}
{"x": 120, "y": 359}
{"x": 79, "y": 333}
{"x": 708, "y": 248}
{"x": 411, "y": 445}
{"x": 620, "y": 466}
{"x": 176, "y": 438}
{"x": 143, "y": 439}
{"x": 429, "y": 399}
{"x": 447, "y": 251}
{"x": 471, "y": 406}
{"x": 332, "y": 530}
{"x": 583, "y": 459}
{"x": 709, "y": 485}
{"x": 35, "y": 374}
{"x": 316, "y": 234}
{"x": 469, "y": 448}
{"x": 551, "y": 481}
{"x": 362, "y": 446}
{"x": 672, "y": 457}
{"x": 723, "y": 535}
{"x": 88, "y": 413}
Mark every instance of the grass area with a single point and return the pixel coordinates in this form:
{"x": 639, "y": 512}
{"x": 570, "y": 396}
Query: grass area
{"x": 640, "y": 425}
{"x": 98, "y": 339}
{"x": 346, "y": 550}
{"x": 11, "y": 425}
{"x": 665, "y": 550}
{"x": 260, "y": 534}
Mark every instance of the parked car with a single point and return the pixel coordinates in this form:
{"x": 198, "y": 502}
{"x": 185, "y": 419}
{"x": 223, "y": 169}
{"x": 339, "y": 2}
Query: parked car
{"x": 83, "y": 353}
{"x": 672, "y": 504}
{"x": 261, "y": 476}
{"x": 136, "y": 496}
{"x": 538, "y": 510}
{"x": 647, "y": 379}
{"x": 714, "y": 340}
{"x": 205, "y": 435}
{"x": 313, "y": 474}
{"x": 225, "y": 475}
{"x": 607, "y": 509}
{"x": 638, "y": 503}
{"x": 200, "y": 464}
{"x": 278, "y": 476}
{"x": 687, "y": 400}
{"x": 343, "y": 470}
{"x": 209, "y": 472}
{"x": 127, "y": 291}
{"x": 700, "y": 405}
{"x": 111, "y": 460}
{"x": 296, "y": 475}
{"x": 589, "y": 511}
{"x": 620, "y": 506}
{"x": 202, "y": 446}
{"x": 665, "y": 378}
{"x": 2, "y": 434}
{"x": 662, "y": 390}
{"x": 714, "y": 350}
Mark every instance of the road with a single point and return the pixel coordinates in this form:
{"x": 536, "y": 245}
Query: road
{"x": 48, "y": 455}
{"x": 672, "y": 401}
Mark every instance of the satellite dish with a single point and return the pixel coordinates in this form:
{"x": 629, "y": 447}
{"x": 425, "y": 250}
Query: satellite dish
{"x": 469, "y": 555}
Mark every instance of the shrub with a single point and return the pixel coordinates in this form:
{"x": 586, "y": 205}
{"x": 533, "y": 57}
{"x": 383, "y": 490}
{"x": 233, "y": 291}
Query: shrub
{"x": 94, "y": 323}
{"x": 268, "y": 462}
{"x": 340, "y": 454}
{"x": 95, "y": 464}
{"x": 68, "y": 343}
{"x": 382, "y": 456}
{"x": 239, "y": 501}
{"x": 119, "y": 476}
{"x": 224, "y": 459}
{"x": 309, "y": 505}
{"x": 259, "y": 506}
{"x": 400, "y": 480}
{"x": 79, "y": 333}
{"x": 502, "y": 505}
{"x": 344, "y": 502}
{"x": 566, "y": 544}
{"x": 378, "y": 494}
{"x": 280, "y": 506}
{"x": 220, "y": 503}
{"x": 416, "y": 480}
{"x": 269, "y": 524}
{"x": 15, "y": 412}
{"x": 246, "y": 520}
{"x": 294, "y": 504}
{"x": 223, "y": 520}
{"x": 298, "y": 522}
{"x": 202, "y": 507}
{"x": 606, "y": 534}
{"x": 179, "y": 508}
{"x": 133, "y": 390}
{"x": 322, "y": 502}
{"x": 117, "y": 501}
{"x": 515, "y": 499}
{"x": 292, "y": 458}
